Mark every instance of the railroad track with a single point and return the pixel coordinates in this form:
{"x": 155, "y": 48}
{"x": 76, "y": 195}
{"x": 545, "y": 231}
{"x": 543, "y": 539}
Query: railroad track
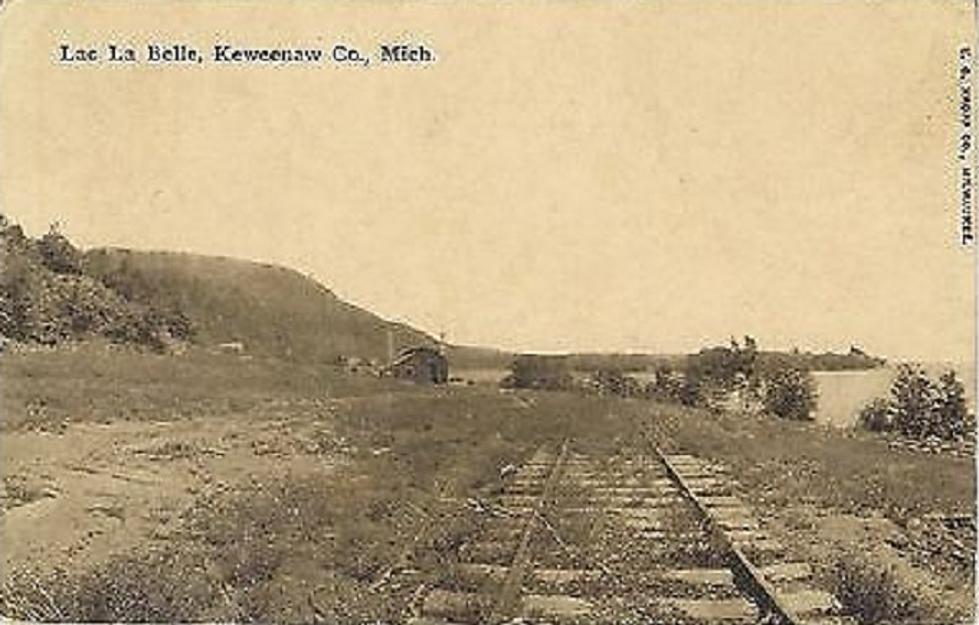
{"x": 637, "y": 537}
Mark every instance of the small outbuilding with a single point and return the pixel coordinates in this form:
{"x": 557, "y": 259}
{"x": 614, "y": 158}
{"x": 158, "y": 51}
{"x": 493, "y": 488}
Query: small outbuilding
{"x": 422, "y": 365}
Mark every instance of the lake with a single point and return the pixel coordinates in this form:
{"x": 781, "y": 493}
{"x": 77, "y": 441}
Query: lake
{"x": 843, "y": 393}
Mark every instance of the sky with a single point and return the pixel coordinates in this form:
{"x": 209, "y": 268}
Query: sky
{"x": 567, "y": 176}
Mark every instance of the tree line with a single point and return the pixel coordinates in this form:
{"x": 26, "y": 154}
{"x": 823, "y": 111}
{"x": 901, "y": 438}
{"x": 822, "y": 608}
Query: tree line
{"x": 706, "y": 379}
{"x": 739, "y": 375}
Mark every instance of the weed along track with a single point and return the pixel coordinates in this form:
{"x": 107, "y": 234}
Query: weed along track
{"x": 635, "y": 536}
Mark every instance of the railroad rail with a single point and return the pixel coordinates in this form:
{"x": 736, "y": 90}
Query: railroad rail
{"x": 638, "y": 536}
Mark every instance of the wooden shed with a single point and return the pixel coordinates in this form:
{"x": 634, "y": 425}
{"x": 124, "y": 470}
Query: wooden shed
{"x": 423, "y": 365}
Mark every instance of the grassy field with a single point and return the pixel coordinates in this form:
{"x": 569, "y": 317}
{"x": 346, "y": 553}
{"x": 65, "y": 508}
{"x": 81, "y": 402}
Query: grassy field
{"x": 205, "y": 486}
{"x": 101, "y": 383}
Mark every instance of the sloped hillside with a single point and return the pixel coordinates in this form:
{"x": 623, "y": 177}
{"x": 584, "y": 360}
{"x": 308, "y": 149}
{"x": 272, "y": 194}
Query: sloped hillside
{"x": 52, "y": 292}
{"x": 272, "y": 310}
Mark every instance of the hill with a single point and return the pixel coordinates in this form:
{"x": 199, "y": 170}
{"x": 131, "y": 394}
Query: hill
{"x": 52, "y": 292}
{"x": 271, "y": 310}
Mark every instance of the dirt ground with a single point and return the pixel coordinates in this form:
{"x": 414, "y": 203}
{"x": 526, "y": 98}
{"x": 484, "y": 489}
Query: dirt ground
{"x": 102, "y": 489}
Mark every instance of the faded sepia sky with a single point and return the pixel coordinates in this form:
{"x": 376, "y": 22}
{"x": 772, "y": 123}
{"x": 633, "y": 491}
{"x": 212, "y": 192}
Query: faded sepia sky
{"x": 568, "y": 175}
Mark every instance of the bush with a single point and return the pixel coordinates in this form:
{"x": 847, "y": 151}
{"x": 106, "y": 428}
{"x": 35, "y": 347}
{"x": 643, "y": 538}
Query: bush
{"x": 692, "y": 392}
{"x": 873, "y": 594}
{"x": 877, "y": 416}
{"x": 725, "y": 368}
{"x": 914, "y": 398}
{"x": 665, "y": 385}
{"x": 548, "y": 373}
{"x": 58, "y": 254}
{"x": 47, "y": 297}
{"x": 613, "y": 382}
{"x": 156, "y": 587}
{"x": 15, "y": 288}
{"x": 951, "y": 413}
{"x": 791, "y": 394}
{"x": 919, "y": 408}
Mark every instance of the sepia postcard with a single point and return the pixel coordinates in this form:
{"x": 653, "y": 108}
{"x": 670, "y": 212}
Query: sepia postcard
{"x": 480, "y": 313}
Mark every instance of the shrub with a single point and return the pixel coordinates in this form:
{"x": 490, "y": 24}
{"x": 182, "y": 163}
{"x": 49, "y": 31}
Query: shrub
{"x": 952, "y": 417}
{"x": 539, "y": 372}
{"x": 47, "y": 297}
{"x": 155, "y": 587}
{"x": 58, "y": 254}
{"x": 15, "y": 288}
{"x": 877, "y": 416}
{"x": 692, "y": 391}
{"x": 613, "y": 382}
{"x": 920, "y": 408}
{"x": 666, "y": 385}
{"x": 790, "y": 393}
{"x": 873, "y": 594}
{"x": 914, "y": 397}
{"x": 725, "y": 368}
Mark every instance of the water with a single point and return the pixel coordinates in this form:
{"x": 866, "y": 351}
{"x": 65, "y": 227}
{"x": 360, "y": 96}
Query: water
{"x": 843, "y": 393}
